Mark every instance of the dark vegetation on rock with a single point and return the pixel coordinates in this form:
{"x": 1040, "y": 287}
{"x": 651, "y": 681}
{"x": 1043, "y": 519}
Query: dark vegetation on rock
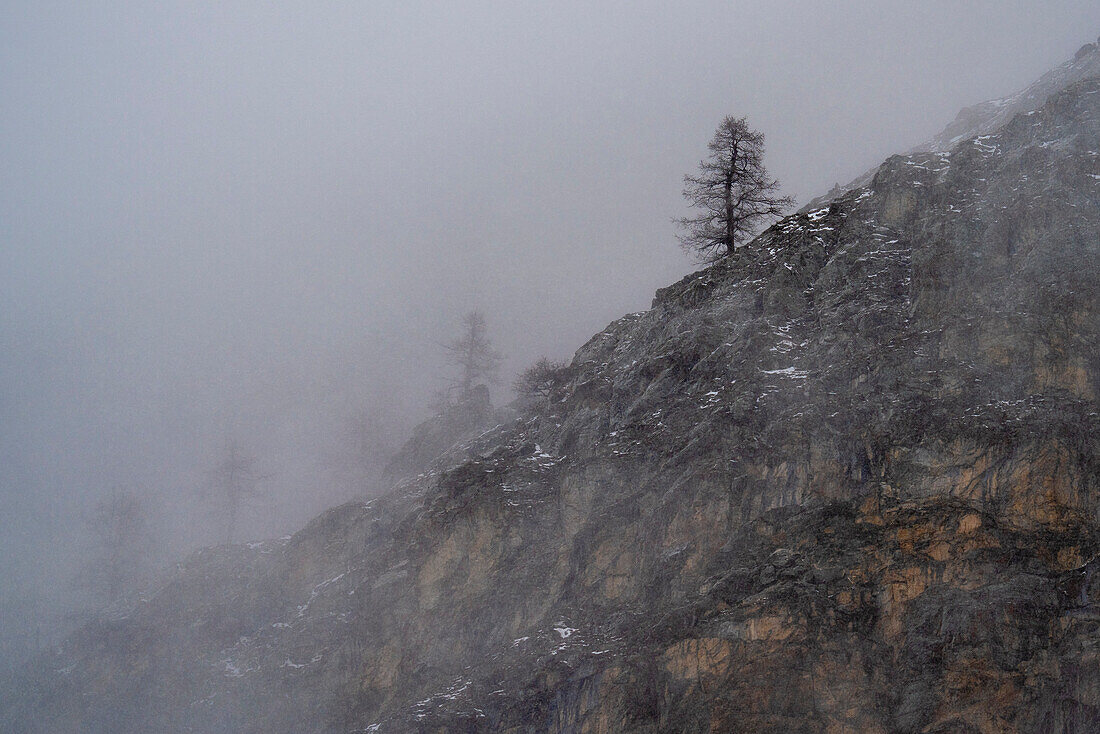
{"x": 847, "y": 480}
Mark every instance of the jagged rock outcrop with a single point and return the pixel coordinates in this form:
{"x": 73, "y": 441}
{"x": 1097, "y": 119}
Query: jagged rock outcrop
{"x": 846, "y": 481}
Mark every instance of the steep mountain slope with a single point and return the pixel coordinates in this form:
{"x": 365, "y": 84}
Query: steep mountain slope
{"x": 847, "y": 481}
{"x": 987, "y": 117}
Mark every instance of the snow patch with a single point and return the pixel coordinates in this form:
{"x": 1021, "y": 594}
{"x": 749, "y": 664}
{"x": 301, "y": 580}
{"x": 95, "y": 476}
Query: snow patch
{"x": 303, "y": 608}
{"x": 794, "y": 374}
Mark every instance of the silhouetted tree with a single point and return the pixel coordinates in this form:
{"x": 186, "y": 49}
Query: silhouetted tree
{"x": 541, "y": 381}
{"x": 119, "y": 525}
{"x": 732, "y": 191}
{"x": 473, "y": 354}
{"x": 234, "y": 482}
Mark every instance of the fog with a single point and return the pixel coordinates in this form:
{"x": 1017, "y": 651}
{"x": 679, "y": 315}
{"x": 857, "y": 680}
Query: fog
{"x": 255, "y": 223}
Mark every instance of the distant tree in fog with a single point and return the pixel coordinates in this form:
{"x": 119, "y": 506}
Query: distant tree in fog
{"x": 473, "y": 354}
{"x": 373, "y": 439}
{"x": 122, "y": 543}
{"x": 733, "y": 193}
{"x": 542, "y": 381}
{"x": 234, "y": 482}
{"x": 370, "y": 436}
{"x": 442, "y": 400}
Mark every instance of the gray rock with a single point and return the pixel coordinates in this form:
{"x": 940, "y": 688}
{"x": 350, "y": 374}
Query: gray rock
{"x": 846, "y": 480}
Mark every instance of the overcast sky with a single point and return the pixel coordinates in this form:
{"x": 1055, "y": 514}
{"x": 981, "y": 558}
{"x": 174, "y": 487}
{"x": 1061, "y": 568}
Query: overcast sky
{"x": 248, "y": 220}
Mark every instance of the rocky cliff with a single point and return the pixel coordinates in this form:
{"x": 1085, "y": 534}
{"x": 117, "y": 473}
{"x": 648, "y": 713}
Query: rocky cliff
{"x": 845, "y": 481}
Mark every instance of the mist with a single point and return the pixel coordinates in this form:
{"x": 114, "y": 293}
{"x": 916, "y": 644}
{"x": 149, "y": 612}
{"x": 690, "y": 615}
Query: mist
{"x": 258, "y": 223}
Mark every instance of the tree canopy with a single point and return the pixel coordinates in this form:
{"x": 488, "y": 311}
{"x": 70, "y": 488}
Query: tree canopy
{"x": 473, "y": 354}
{"x": 732, "y": 193}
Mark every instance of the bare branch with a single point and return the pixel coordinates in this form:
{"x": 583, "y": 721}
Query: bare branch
{"x": 733, "y": 191}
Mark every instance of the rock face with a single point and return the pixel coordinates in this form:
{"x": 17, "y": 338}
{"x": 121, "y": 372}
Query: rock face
{"x": 846, "y": 481}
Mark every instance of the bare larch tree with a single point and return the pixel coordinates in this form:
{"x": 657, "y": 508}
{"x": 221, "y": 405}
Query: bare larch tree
{"x": 733, "y": 192}
{"x": 473, "y": 354}
{"x": 119, "y": 524}
{"x": 234, "y": 481}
